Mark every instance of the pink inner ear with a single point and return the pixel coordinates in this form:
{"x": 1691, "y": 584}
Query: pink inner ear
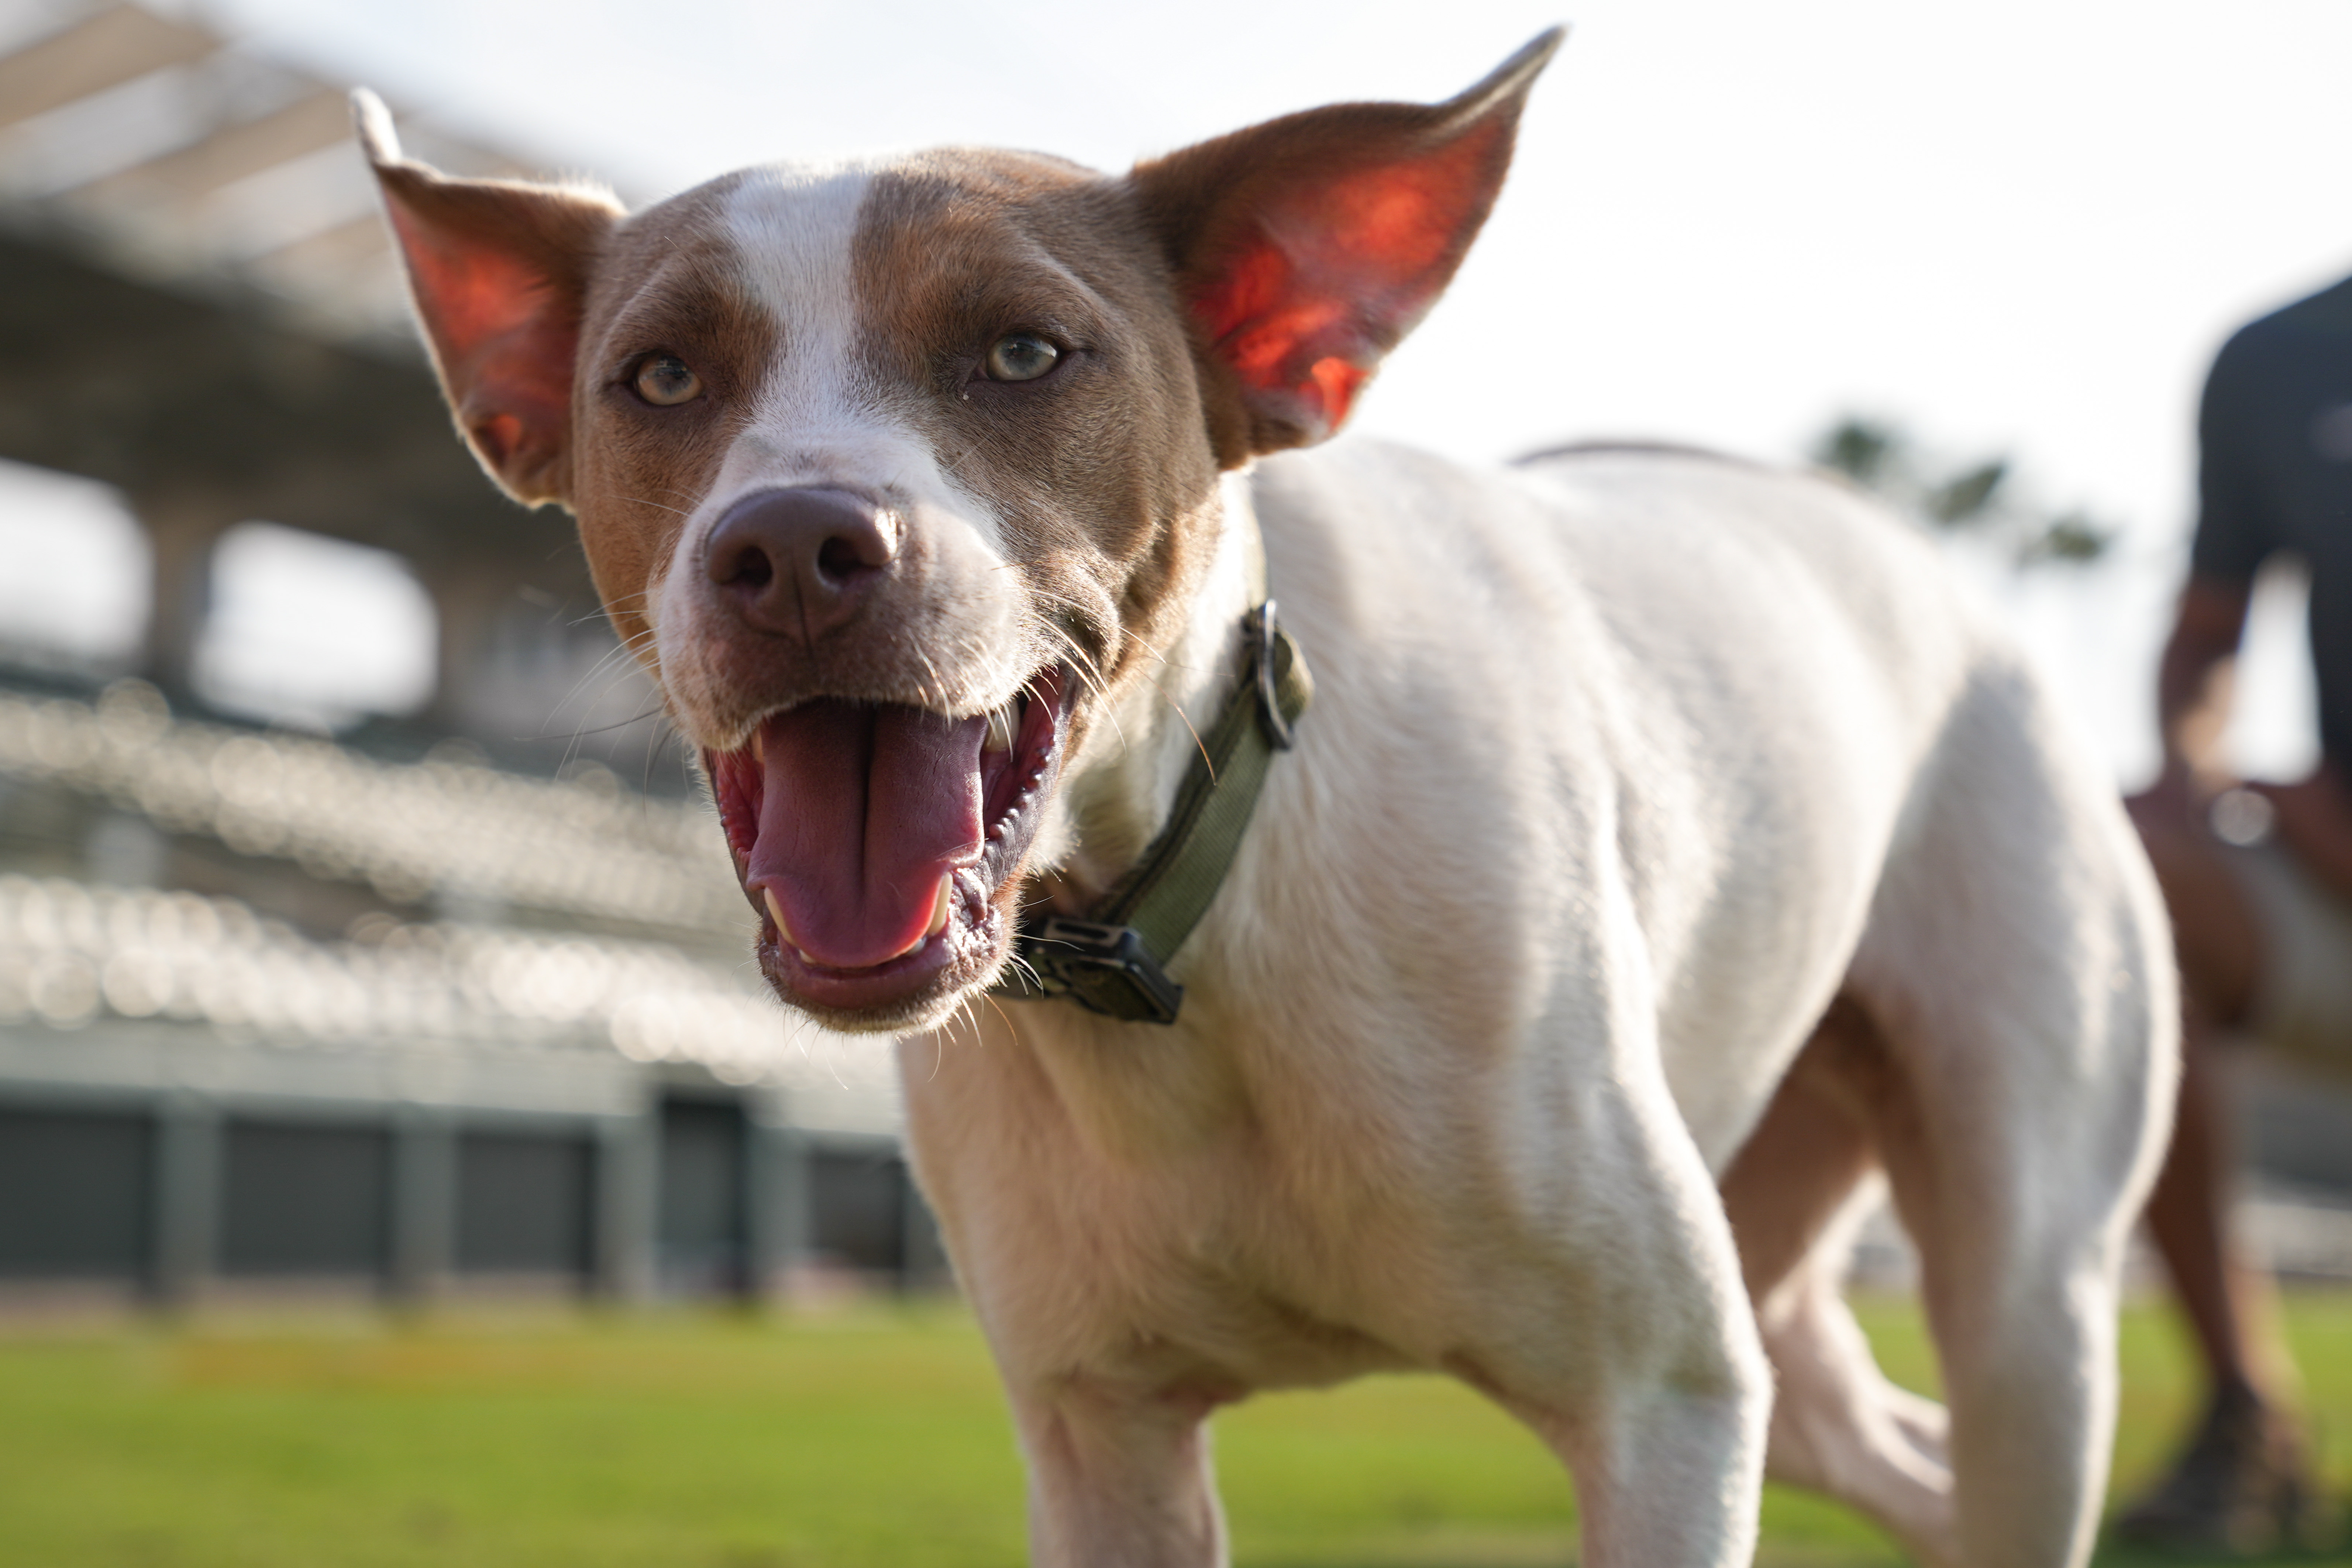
{"x": 470, "y": 292}
{"x": 508, "y": 354}
{"x": 1335, "y": 271}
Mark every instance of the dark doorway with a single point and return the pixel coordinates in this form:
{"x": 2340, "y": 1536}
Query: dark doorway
{"x": 75, "y": 1195}
{"x": 703, "y": 1233}
{"x": 858, "y": 1208}
{"x": 523, "y": 1204}
{"x": 305, "y": 1198}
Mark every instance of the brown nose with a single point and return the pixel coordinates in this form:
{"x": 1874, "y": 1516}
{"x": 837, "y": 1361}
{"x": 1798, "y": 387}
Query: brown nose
{"x": 798, "y": 562}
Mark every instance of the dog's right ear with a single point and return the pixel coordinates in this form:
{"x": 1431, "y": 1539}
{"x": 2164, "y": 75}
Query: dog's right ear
{"x": 499, "y": 271}
{"x": 1305, "y": 248}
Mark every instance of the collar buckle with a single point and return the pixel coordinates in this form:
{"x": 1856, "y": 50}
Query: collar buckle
{"x": 1264, "y": 633}
{"x": 1103, "y": 968}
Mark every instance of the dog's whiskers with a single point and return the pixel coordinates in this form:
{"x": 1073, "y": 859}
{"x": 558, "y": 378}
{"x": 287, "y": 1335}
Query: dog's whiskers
{"x": 607, "y": 663}
{"x": 1082, "y": 666}
{"x": 610, "y": 669}
{"x": 981, "y": 1041}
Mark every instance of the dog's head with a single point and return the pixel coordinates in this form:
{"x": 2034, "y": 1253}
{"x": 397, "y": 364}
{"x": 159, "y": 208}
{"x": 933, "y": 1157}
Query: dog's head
{"x": 893, "y": 474}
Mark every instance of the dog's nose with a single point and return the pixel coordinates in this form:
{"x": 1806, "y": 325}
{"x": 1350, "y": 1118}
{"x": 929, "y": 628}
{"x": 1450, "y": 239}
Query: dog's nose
{"x": 799, "y": 561}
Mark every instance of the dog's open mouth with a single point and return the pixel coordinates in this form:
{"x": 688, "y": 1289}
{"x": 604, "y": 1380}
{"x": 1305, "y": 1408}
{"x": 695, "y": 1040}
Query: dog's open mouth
{"x": 880, "y": 843}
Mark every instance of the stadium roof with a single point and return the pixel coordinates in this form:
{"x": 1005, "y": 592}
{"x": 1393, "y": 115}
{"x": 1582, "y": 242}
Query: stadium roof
{"x": 183, "y": 157}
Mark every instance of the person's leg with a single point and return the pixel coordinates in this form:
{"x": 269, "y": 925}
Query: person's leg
{"x": 2230, "y": 1308}
{"x": 2239, "y": 1484}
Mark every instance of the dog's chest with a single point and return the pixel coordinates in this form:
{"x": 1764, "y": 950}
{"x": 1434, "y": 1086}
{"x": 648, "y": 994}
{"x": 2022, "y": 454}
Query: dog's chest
{"x": 1231, "y": 1225}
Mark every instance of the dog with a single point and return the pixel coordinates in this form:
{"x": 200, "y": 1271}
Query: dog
{"x": 1573, "y": 888}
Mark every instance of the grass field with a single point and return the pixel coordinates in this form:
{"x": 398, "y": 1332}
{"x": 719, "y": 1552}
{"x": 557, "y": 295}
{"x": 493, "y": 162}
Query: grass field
{"x": 870, "y": 1437}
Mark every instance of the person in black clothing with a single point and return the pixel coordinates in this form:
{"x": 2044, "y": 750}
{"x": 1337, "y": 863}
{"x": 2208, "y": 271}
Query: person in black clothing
{"x": 2258, "y": 877}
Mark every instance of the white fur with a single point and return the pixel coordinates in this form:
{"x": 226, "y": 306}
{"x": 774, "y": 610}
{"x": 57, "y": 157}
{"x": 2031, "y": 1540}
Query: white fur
{"x": 1617, "y": 772}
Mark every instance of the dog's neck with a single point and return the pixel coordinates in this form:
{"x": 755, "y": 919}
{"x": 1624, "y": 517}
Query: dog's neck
{"x": 1121, "y": 790}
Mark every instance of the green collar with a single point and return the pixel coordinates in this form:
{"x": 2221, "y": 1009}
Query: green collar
{"x": 1114, "y": 963}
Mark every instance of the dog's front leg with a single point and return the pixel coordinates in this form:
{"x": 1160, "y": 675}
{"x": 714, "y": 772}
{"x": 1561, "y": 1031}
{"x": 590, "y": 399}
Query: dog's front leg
{"x": 1671, "y": 1472}
{"x": 1665, "y": 1438}
{"x": 1668, "y": 1460}
{"x": 1118, "y": 1476}
{"x": 1629, "y": 1345}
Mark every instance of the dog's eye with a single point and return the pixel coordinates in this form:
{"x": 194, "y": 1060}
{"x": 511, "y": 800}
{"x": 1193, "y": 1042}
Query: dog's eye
{"x": 1024, "y": 356}
{"x": 666, "y": 380}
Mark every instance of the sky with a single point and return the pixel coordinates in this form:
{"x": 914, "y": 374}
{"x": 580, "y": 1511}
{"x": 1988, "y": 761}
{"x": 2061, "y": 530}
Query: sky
{"x": 2016, "y": 226}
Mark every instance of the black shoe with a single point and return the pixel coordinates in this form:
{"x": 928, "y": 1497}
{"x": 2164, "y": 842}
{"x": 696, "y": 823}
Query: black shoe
{"x": 2242, "y": 1489}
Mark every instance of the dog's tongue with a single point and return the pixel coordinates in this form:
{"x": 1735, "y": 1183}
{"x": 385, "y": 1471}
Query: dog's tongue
{"x": 863, "y": 809}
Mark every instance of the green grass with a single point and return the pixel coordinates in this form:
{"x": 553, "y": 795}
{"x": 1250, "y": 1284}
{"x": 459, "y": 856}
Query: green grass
{"x": 873, "y": 1437}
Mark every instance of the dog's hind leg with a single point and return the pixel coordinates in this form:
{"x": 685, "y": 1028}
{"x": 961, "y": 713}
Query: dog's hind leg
{"x": 2016, "y": 964}
{"x": 1805, "y": 1178}
{"x": 1840, "y": 1428}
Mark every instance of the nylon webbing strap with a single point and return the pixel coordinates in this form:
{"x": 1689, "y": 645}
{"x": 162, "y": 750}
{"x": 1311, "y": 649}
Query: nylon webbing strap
{"x": 1115, "y": 963}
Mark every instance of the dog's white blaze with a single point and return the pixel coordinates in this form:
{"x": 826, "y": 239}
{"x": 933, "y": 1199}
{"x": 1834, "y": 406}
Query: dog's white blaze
{"x": 793, "y": 228}
{"x": 818, "y": 421}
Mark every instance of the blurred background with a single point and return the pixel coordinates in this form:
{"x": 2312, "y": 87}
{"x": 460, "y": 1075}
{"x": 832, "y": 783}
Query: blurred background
{"x": 363, "y": 935}
{"x": 360, "y": 932}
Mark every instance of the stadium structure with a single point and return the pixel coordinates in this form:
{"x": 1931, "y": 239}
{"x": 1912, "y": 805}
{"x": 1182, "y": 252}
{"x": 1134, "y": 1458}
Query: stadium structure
{"x": 447, "y": 1001}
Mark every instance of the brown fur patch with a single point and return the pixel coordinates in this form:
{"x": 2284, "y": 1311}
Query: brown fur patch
{"x": 1094, "y": 470}
{"x": 671, "y": 283}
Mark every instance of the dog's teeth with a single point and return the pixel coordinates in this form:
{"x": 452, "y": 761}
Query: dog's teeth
{"x": 783, "y": 932}
{"x": 939, "y": 916}
{"x": 1000, "y": 732}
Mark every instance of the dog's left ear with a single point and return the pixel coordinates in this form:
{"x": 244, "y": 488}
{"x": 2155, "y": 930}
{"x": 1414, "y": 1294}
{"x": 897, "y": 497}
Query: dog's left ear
{"x": 500, "y": 270}
{"x": 1306, "y": 248}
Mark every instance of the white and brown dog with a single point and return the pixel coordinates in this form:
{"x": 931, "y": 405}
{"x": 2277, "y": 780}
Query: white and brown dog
{"x": 1665, "y": 852}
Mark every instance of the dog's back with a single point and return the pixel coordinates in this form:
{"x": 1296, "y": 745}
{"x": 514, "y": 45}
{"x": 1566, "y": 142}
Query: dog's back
{"x": 1713, "y": 683}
